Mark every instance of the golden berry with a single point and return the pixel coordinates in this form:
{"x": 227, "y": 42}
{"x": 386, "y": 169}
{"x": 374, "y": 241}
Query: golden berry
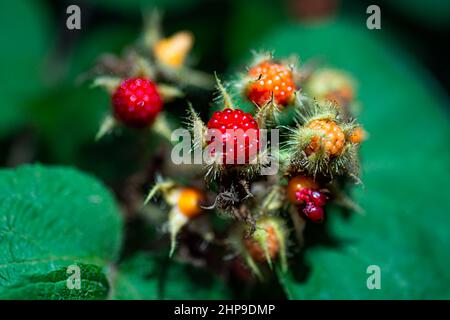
{"x": 172, "y": 51}
{"x": 189, "y": 202}
{"x": 330, "y": 137}
{"x": 358, "y": 135}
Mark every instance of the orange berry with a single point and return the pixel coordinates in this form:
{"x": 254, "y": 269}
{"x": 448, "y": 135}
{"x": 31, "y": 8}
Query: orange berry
{"x": 298, "y": 183}
{"x": 257, "y": 251}
{"x": 358, "y": 135}
{"x": 342, "y": 96}
{"x": 330, "y": 137}
{"x": 172, "y": 51}
{"x": 272, "y": 78}
{"x": 331, "y": 85}
{"x": 189, "y": 202}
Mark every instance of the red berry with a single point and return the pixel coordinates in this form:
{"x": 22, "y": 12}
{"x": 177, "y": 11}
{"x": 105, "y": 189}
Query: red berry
{"x": 318, "y": 198}
{"x": 303, "y": 196}
{"x": 240, "y": 143}
{"x": 272, "y": 78}
{"x": 313, "y": 212}
{"x": 297, "y": 184}
{"x": 137, "y": 102}
{"x": 310, "y": 195}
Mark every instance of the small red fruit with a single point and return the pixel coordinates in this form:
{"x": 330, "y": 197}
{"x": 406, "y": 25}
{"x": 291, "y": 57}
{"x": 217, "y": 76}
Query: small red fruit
{"x": 240, "y": 143}
{"x": 304, "y": 192}
{"x": 313, "y": 212}
{"x": 137, "y": 102}
{"x": 310, "y": 195}
{"x": 272, "y": 78}
{"x": 297, "y": 184}
{"x": 318, "y": 198}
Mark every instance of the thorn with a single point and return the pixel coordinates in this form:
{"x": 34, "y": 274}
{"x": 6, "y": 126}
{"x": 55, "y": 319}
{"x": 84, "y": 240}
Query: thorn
{"x": 152, "y": 193}
{"x": 225, "y": 95}
{"x": 172, "y": 245}
{"x": 169, "y": 93}
{"x": 162, "y": 127}
{"x": 106, "y": 127}
{"x": 110, "y": 84}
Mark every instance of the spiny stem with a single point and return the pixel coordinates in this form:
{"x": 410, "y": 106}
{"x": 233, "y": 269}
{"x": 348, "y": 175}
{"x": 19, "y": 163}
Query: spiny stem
{"x": 228, "y": 102}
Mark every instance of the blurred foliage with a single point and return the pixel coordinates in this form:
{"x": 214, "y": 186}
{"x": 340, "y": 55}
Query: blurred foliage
{"x": 133, "y": 6}
{"x": 248, "y": 21}
{"x": 57, "y": 115}
{"x": 433, "y": 13}
{"x": 25, "y": 30}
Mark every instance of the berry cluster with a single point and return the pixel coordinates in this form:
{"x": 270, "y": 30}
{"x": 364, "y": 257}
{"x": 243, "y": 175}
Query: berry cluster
{"x": 321, "y": 140}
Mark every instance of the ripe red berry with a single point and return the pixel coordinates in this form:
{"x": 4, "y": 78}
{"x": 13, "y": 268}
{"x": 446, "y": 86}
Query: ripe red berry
{"x": 136, "y": 102}
{"x": 318, "y": 198}
{"x": 313, "y": 212}
{"x": 297, "y": 184}
{"x": 272, "y": 78}
{"x": 310, "y": 195}
{"x": 240, "y": 143}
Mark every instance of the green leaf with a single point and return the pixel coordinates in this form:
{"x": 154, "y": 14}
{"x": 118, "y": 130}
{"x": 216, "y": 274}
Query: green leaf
{"x": 136, "y": 278}
{"x": 406, "y": 173}
{"x": 24, "y": 30}
{"x": 153, "y": 276}
{"x": 93, "y": 285}
{"x": 51, "y": 218}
